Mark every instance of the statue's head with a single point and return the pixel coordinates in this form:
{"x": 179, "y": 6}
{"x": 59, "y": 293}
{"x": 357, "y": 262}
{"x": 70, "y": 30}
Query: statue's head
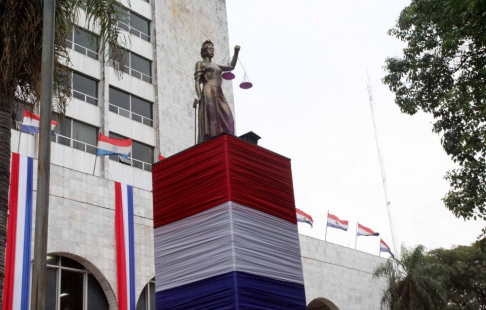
{"x": 207, "y": 49}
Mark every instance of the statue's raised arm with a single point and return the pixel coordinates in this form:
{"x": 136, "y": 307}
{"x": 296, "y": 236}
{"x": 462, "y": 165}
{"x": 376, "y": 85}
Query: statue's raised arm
{"x": 214, "y": 115}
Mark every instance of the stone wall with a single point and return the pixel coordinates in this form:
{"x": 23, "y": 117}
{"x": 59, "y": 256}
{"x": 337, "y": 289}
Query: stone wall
{"x": 181, "y": 28}
{"x": 340, "y": 275}
{"x": 82, "y": 226}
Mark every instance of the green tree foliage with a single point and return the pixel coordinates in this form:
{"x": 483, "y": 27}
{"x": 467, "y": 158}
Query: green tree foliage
{"x": 415, "y": 282}
{"x": 443, "y": 72}
{"x": 20, "y": 68}
{"x": 466, "y": 281}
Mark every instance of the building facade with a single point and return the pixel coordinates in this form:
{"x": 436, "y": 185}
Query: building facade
{"x": 152, "y": 104}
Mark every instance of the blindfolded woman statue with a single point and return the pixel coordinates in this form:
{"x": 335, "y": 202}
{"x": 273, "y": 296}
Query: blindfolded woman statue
{"x": 214, "y": 115}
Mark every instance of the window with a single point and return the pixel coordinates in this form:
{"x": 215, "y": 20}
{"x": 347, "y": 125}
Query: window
{"x": 71, "y": 286}
{"x": 142, "y": 155}
{"x": 133, "y": 23}
{"x": 84, "y": 42}
{"x": 17, "y": 116}
{"x": 127, "y": 105}
{"x": 85, "y": 88}
{"x": 147, "y": 297}
{"x": 136, "y": 66}
{"x": 75, "y": 134}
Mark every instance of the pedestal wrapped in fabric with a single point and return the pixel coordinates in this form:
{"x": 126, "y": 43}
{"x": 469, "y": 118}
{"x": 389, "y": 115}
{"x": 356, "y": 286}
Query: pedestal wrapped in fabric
{"x": 225, "y": 229}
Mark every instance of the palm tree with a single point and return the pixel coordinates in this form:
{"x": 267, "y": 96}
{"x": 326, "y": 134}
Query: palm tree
{"x": 20, "y": 68}
{"x": 414, "y": 281}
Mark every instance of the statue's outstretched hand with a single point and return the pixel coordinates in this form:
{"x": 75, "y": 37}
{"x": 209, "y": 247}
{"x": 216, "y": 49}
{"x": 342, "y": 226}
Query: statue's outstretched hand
{"x": 196, "y": 102}
{"x": 237, "y": 48}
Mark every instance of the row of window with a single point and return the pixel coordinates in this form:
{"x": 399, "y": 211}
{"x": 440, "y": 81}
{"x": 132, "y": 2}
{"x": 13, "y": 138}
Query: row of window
{"x": 78, "y": 135}
{"x": 131, "y": 22}
{"x": 122, "y": 103}
{"x": 86, "y": 43}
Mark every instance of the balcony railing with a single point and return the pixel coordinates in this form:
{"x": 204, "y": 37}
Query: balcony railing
{"x": 139, "y": 75}
{"x": 133, "y": 162}
{"x": 134, "y": 31}
{"x": 134, "y": 116}
{"x": 81, "y": 49}
{"x": 76, "y": 144}
{"x": 84, "y": 97}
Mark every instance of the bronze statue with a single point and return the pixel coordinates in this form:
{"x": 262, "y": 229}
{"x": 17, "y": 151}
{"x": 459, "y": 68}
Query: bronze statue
{"x": 214, "y": 115}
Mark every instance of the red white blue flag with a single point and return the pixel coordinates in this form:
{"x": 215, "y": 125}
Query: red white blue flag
{"x": 31, "y": 121}
{"x": 365, "y": 231}
{"x": 19, "y": 234}
{"x": 303, "y": 217}
{"x": 112, "y": 146}
{"x": 125, "y": 253}
{"x": 384, "y": 247}
{"x": 335, "y": 222}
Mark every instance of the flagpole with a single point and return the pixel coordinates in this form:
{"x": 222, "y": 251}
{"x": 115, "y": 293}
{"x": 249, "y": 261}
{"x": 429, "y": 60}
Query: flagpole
{"x": 356, "y": 237}
{"x": 325, "y": 236}
{"x": 18, "y": 146}
{"x": 95, "y": 164}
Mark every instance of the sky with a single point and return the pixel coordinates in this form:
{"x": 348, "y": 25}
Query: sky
{"x": 308, "y": 61}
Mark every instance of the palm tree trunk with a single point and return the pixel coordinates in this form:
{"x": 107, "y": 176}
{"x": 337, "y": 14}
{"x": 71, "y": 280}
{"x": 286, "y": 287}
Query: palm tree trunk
{"x": 5, "y": 136}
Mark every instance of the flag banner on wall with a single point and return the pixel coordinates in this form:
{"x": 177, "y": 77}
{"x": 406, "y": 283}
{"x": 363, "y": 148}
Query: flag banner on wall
{"x": 303, "y": 217}
{"x": 385, "y": 248}
{"x": 225, "y": 229}
{"x": 365, "y": 231}
{"x": 125, "y": 252}
{"x": 335, "y": 222}
{"x": 19, "y": 234}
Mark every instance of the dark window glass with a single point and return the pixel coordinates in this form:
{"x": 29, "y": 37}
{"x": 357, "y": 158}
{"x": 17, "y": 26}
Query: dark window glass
{"x": 142, "y": 152}
{"x": 85, "y": 86}
{"x": 19, "y": 116}
{"x": 120, "y": 99}
{"x": 87, "y": 43}
{"x": 71, "y": 290}
{"x": 86, "y": 39}
{"x": 52, "y": 259}
{"x": 142, "y": 107}
{"x": 51, "y": 288}
{"x": 96, "y": 296}
{"x": 139, "y": 23}
{"x": 123, "y": 17}
{"x": 67, "y": 262}
{"x": 140, "y": 64}
{"x": 142, "y": 301}
{"x": 152, "y": 296}
{"x": 62, "y": 130}
{"x": 86, "y": 134}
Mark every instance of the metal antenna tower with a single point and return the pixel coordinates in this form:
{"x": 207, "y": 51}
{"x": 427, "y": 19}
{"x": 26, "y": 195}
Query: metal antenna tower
{"x": 382, "y": 167}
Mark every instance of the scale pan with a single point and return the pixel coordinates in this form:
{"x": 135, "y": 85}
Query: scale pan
{"x": 228, "y": 76}
{"x": 246, "y": 85}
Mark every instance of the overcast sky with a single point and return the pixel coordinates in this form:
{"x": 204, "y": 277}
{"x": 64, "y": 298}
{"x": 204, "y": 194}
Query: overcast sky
{"x": 308, "y": 61}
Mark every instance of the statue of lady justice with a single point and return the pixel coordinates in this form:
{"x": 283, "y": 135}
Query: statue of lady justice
{"x": 214, "y": 115}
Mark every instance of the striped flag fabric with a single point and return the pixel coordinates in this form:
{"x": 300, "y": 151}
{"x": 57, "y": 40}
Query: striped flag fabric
{"x": 31, "y": 121}
{"x": 365, "y": 231}
{"x": 303, "y": 217}
{"x": 125, "y": 253}
{"x": 385, "y": 248}
{"x": 19, "y": 234}
{"x": 112, "y": 146}
{"x": 335, "y": 222}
